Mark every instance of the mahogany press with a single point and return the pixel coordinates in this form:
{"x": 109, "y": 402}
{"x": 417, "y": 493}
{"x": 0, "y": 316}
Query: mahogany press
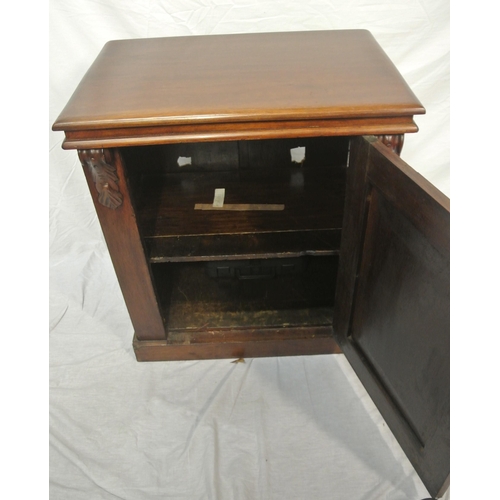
{"x": 253, "y": 202}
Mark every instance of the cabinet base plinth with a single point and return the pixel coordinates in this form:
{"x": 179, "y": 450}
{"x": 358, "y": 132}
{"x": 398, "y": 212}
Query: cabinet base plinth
{"x": 162, "y": 350}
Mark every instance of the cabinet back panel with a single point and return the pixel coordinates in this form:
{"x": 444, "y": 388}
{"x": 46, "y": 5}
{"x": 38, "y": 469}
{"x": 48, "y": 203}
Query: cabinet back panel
{"x": 231, "y": 155}
{"x": 313, "y": 199}
{"x": 319, "y": 152}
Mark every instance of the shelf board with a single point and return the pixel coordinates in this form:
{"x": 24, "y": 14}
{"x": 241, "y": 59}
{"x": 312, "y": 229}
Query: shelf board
{"x": 310, "y": 223}
{"x": 244, "y": 246}
{"x": 196, "y": 306}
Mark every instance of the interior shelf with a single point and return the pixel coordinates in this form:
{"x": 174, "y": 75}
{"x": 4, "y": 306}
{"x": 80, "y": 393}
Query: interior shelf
{"x": 305, "y": 176}
{"x": 243, "y": 246}
{"x": 309, "y": 224}
{"x": 195, "y": 305}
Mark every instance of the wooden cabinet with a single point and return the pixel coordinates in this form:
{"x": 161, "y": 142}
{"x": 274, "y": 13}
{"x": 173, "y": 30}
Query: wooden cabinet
{"x": 253, "y": 204}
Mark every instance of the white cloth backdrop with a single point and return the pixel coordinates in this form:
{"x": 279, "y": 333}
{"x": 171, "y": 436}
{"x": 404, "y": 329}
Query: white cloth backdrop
{"x": 287, "y": 428}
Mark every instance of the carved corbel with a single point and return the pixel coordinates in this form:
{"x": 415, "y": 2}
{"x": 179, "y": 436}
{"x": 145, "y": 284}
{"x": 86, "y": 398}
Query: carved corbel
{"x": 394, "y": 142}
{"x": 104, "y": 177}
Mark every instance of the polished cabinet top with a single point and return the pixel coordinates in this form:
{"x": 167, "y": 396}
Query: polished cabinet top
{"x": 228, "y": 79}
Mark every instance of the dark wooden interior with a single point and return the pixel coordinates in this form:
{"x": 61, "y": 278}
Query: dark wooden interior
{"x": 258, "y": 172}
{"x": 194, "y": 301}
{"x": 228, "y": 275}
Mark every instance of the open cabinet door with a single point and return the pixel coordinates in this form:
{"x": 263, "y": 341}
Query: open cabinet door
{"x": 392, "y": 316}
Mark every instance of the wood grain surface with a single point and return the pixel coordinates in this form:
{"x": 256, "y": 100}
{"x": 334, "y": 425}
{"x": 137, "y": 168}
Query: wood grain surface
{"x": 224, "y": 79}
{"x": 392, "y": 307}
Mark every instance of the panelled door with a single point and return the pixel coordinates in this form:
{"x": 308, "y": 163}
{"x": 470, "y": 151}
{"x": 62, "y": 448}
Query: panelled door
{"x": 392, "y": 304}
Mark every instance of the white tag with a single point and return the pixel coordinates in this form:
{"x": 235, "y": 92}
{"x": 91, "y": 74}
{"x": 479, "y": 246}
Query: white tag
{"x": 219, "y": 197}
{"x": 298, "y": 154}
{"x": 182, "y": 161}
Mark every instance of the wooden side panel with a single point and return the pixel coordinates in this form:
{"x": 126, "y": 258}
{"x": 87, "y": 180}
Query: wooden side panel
{"x": 105, "y": 174}
{"x": 392, "y": 304}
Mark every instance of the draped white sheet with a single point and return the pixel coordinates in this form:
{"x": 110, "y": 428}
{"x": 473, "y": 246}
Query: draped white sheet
{"x": 277, "y": 428}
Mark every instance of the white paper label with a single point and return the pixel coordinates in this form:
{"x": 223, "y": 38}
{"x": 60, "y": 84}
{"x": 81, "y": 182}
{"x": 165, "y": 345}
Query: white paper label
{"x": 219, "y": 197}
{"x": 182, "y": 161}
{"x": 298, "y": 154}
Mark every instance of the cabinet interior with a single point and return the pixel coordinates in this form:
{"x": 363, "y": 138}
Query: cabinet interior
{"x": 224, "y": 274}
